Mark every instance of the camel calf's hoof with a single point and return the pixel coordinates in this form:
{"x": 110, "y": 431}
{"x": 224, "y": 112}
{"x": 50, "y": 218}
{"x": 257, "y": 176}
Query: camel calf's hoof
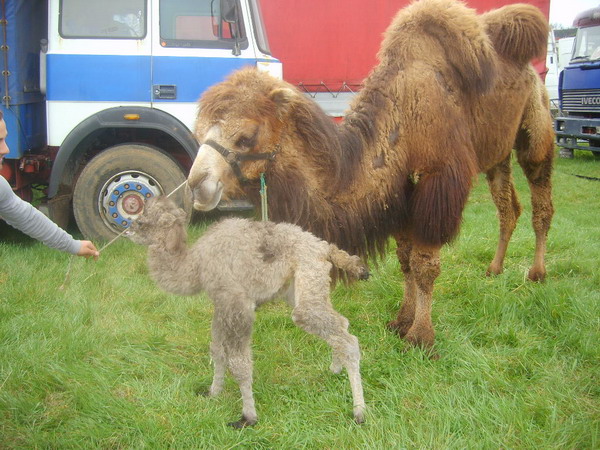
{"x": 359, "y": 416}
{"x": 242, "y": 423}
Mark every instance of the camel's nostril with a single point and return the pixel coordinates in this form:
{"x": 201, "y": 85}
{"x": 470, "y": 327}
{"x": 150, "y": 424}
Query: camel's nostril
{"x": 196, "y": 179}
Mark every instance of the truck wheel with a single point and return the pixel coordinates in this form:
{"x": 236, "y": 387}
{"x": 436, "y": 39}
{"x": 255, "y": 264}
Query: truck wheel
{"x": 112, "y": 188}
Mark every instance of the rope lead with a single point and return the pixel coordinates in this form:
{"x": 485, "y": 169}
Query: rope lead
{"x": 264, "y": 206}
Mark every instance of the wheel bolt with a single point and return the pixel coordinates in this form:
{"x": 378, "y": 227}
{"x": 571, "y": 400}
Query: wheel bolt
{"x": 115, "y": 215}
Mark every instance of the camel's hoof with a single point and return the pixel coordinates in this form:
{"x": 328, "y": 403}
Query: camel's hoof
{"x": 422, "y": 338}
{"x": 336, "y": 368}
{"x": 536, "y": 275}
{"x": 364, "y": 274}
{"x": 399, "y": 327}
{"x": 359, "y": 419}
{"x": 242, "y": 423}
{"x": 493, "y": 271}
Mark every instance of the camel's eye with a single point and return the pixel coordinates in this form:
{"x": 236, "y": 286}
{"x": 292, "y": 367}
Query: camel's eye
{"x": 246, "y": 141}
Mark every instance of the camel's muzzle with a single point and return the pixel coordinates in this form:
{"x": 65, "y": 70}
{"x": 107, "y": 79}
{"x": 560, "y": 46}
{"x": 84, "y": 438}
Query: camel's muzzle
{"x": 235, "y": 159}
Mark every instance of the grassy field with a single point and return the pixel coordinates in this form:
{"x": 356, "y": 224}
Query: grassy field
{"x": 109, "y": 361}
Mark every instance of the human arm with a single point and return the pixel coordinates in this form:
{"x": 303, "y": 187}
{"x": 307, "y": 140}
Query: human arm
{"x": 24, "y": 217}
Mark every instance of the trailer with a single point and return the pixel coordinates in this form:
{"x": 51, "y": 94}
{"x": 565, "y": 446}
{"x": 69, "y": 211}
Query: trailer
{"x": 329, "y": 47}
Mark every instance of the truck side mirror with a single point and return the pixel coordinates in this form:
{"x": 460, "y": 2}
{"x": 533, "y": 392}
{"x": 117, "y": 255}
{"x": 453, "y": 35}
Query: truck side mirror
{"x": 229, "y": 12}
{"x": 230, "y": 15}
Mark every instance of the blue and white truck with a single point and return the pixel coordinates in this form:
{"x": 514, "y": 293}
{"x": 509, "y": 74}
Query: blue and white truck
{"x": 578, "y": 126}
{"x": 99, "y": 97}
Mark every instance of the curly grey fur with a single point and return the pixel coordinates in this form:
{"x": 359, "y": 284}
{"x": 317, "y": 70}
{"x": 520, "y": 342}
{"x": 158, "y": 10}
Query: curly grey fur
{"x": 242, "y": 264}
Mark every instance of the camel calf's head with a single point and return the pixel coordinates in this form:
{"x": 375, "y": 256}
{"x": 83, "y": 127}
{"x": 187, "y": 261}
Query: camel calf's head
{"x": 157, "y": 223}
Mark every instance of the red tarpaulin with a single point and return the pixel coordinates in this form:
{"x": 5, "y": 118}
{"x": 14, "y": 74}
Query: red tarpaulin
{"x": 336, "y": 41}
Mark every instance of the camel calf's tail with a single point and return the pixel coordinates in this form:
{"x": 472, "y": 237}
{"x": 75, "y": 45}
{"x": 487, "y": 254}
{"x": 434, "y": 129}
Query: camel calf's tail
{"x": 350, "y": 264}
{"x": 518, "y": 32}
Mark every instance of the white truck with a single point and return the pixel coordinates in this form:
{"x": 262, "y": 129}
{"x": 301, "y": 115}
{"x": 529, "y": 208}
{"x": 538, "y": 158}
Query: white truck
{"x": 99, "y": 97}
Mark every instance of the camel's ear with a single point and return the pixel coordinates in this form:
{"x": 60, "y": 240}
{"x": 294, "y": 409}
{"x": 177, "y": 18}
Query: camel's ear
{"x": 283, "y": 98}
{"x": 176, "y": 238}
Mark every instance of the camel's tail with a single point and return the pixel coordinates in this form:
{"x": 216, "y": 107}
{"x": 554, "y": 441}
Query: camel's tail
{"x": 443, "y": 33}
{"x": 350, "y": 264}
{"x": 519, "y": 32}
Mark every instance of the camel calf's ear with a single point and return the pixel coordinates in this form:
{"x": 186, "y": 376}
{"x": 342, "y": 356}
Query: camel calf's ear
{"x": 283, "y": 98}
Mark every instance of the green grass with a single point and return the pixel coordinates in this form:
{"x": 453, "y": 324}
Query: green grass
{"x": 110, "y": 361}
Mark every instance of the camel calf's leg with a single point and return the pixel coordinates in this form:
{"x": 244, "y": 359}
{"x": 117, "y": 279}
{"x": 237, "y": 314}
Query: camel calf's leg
{"x": 505, "y": 197}
{"x": 314, "y": 313}
{"x": 232, "y": 334}
{"x": 217, "y": 353}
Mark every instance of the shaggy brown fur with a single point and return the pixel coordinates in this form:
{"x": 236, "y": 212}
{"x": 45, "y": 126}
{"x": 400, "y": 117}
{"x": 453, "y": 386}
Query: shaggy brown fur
{"x": 242, "y": 264}
{"x": 453, "y": 94}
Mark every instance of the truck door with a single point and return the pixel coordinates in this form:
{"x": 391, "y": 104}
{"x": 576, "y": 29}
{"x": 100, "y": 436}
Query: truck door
{"x": 98, "y": 57}
{"x": 198, "y": 43}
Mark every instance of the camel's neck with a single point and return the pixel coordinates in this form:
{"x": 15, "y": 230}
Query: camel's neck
{"x": 333, "y": 182}
{"x": 175, "y": 271}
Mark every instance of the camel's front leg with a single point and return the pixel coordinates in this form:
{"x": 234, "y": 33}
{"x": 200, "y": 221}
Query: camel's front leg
{"x": 425, "y": 268}
{"x": 406, "y": 315}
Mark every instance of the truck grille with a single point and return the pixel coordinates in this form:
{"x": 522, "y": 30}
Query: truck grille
{"x": 581, "y": 100}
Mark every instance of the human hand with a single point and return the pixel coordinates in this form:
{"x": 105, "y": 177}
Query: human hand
{"x": 88, "y": 249}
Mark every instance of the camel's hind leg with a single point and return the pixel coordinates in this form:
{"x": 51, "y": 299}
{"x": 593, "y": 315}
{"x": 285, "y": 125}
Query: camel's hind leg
{"x": 406, "y": 315}
{"x": 539, "y": 177}
{"x": 509, "y": 209}
{"x": 314, "y": 313}
{"x": 535, "y": 153}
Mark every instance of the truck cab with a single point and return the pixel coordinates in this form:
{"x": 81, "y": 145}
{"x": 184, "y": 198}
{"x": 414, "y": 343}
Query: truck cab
{"x": 578, "y": 126}
{"x": 100, "y": 98}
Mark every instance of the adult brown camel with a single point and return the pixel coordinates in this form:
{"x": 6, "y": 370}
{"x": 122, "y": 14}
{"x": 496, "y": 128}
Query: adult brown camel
{"x": 453, "y": 94}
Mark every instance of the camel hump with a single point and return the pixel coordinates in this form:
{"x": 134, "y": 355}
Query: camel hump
{"x": 348, "y": 263}
{"x": 518, "y": 32}
{"x": 448, "y": 35}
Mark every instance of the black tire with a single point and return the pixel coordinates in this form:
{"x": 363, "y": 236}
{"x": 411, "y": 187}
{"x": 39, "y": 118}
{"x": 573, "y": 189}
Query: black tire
{"x": 112, "y": 188}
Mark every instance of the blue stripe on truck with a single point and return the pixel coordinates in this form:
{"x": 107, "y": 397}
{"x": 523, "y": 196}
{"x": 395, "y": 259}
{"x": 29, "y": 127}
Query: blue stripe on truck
{"x": 127, "y": 78}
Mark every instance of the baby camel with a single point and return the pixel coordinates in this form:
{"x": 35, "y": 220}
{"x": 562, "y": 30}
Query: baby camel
{"x": 242, "y": 264}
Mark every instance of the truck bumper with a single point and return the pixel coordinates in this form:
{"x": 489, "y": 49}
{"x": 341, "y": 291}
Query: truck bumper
{"x": 570, "y": 131}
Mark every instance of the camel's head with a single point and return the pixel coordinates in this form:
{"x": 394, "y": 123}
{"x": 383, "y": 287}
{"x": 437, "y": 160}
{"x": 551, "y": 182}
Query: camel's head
{"x": 159, "y": 223}
{"x": 239, "y": 128}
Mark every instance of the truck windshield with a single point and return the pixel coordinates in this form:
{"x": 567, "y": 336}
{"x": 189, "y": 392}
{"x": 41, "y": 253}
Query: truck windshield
{"x": 108, "y": 19}
{"x": 200, "y": 24}
{"x": 587, "y": 44}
